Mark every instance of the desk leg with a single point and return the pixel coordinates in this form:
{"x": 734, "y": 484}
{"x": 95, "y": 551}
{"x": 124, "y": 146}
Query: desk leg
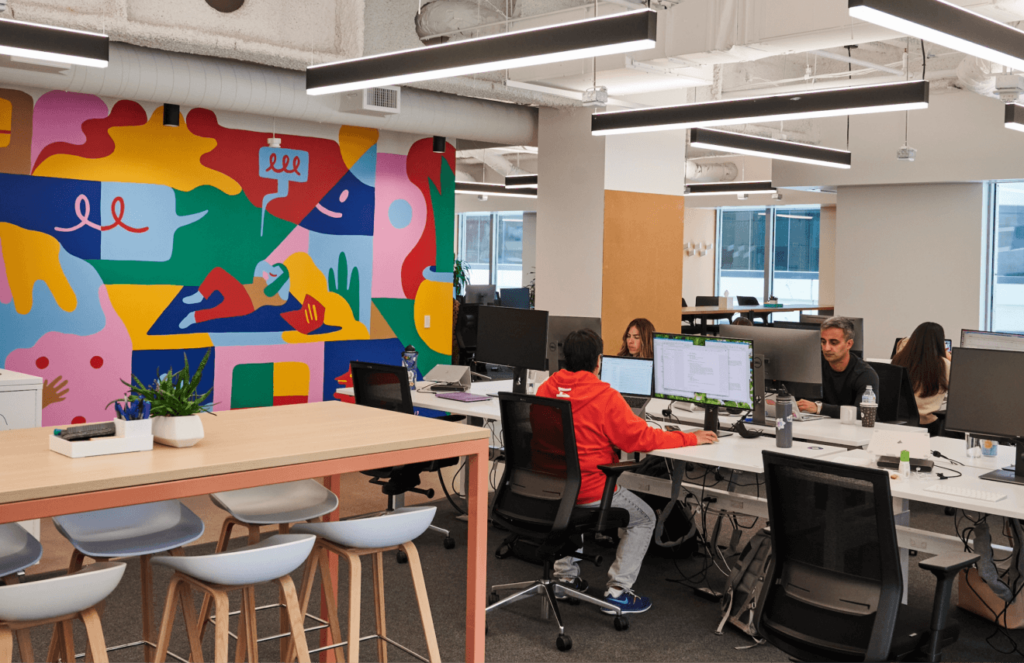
{"x": 901, "y": 509}
{"x": 476, "y": 556}
{"x": 329, "y": 579}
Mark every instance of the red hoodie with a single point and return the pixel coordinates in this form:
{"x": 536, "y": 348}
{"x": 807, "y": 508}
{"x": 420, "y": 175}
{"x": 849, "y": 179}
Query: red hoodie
{"x": 604, "y": 423}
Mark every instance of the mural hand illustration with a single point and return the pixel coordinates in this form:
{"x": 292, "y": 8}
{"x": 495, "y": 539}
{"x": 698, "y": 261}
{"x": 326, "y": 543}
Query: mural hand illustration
{"x": 54, "y": 390}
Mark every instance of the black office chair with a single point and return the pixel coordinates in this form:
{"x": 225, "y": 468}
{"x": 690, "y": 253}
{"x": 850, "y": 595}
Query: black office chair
{"x": 752, "y": 301}
{"x": 710, "y": 328}
{"x": 387, "y": 388}
{"x": 465, "y": 332}
{"x": 896, "y": 402}
{"x": 834, "y": 586}
{"x": 536, "y": 499}
{"x": 687, "y": 320}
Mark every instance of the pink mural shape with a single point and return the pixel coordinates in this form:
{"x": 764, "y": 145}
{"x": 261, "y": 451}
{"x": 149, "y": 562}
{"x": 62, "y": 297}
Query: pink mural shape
{"x": 58, "y": 118}
{"x": 297, "y": 241}
{"x": 93, "y": 367}
{"x": 227, "y": 357}
{"x": 391, "y": 244}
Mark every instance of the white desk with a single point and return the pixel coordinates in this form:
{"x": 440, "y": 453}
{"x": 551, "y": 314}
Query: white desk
{"x": 487, "y": 410}
{"x": 737, "y": 453}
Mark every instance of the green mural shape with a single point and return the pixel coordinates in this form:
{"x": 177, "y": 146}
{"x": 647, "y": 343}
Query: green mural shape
{"x": 252, "y": 385}
{"x": 227, "y": 237}
{"x": 398, "y": 313}
{"x": 349, "y": 292}
{"x": 444, "y": 220}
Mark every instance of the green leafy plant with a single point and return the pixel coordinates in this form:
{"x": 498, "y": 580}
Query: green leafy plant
{"x": 460, "y": 275}
{"x": 172, "y": 394}
{"x": 336, "y": 282}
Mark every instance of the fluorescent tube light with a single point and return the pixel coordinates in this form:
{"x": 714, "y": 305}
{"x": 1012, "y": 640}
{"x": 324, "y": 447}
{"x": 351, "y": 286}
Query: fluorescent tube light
{"x": 486, "y": 189}
{"x": 723, "y": 141}
{"x": 521, "y": 182}
{"x": 948, "y": 25}
{"x": 728, "y": 188}
{"x": 1015, "y": 117}
{"x": 909, "y": 95}
{"x": 44, "y": 42}
{"x": 592, "y": 37}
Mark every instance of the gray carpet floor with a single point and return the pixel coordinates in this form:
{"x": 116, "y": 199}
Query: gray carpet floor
{"x": 679, "y": 627}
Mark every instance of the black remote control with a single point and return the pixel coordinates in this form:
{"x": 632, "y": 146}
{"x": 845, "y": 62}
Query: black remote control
{"x": 87, "y": 432}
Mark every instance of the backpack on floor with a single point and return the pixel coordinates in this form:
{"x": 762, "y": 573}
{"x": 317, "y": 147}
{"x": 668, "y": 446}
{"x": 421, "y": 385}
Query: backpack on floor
{"x": 743, "y": 589}
{"x": 675, "y": 534}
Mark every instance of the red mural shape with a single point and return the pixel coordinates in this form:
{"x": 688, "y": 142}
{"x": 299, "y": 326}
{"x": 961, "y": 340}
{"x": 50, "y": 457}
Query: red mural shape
{"x": 98, "y": 143}
{"x": 423, "y": 167}
{"x": 237, "y": 156}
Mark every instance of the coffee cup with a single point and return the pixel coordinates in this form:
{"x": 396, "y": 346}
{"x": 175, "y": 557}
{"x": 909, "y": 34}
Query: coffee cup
{"x": 868, "y": 412}
{"x": 848, "y": 414}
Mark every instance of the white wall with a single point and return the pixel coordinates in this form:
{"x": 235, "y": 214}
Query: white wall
{"x": 646, "y": 163}
{"x": 909, "y": 254}
{"x": 529, "y": 247}
{"x": 827, "y": 256}
{"x": 698, "y": 271}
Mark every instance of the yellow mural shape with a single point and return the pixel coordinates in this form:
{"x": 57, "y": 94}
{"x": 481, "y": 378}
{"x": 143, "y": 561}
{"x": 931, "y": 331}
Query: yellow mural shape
{"x": 354, "y": 142}
{"x": 434, "y": 299}
{"x": 6, "y": 113}
{"x": 306, "y": 279}
{"x": 139, "y": 306}
{"x": 31, "y": 256}
{"x": 147, "y": 154}
{"x": 291, "y": 378}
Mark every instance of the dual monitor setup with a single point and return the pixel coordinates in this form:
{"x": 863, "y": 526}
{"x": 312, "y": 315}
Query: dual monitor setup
{"x": 488, "y": 295}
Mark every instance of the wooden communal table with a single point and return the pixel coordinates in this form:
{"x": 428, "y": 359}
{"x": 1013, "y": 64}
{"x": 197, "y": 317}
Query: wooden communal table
{"x": 702, "y": 313}
{"x": 254, "y": 447}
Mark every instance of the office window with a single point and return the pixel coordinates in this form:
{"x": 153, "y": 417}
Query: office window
{"x": 492, "y": 246}
{"x": 795, "y": 278}
{"x": 1008, "y": 270}
{"x": 741, "y": 252}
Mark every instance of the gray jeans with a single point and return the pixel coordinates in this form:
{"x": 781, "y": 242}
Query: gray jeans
{"x": 633, "y": 542}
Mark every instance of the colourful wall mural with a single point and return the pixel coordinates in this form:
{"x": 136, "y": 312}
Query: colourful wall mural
{"x": 125, "y": 245}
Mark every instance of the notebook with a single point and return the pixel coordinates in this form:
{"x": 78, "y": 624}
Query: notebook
{"x": 463, "y": 397}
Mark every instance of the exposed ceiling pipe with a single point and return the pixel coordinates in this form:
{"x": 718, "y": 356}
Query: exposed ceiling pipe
{"x": 857, "y": 61}
{"x": 495, "y": 162}
{"x": 716, "y": 171}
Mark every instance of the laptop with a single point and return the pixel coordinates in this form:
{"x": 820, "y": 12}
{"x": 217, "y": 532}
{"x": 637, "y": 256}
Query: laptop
{"x": 448, "y": 377}
{"x": 633, "y": 378}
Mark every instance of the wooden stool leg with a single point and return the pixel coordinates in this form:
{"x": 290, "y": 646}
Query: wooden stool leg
{"x": 222, "y": 545}
{"x": 163, "y": 640}
{"x": 242, "y": 642}
{"x": 147, "y": 606}
{"x": 97, "y": 646}
{"x": 6, "y": 645}
{"x": 25, "y": 645}
{"x": 220, "y": 632}
{"x": 355, "y": 589}
{"x": 68, "y": 635}
{"x": 331, "y": 598}
{"x": 57, "y": 641}
{"x": 283, "y": 528}
{"x": 305, "y": 592}
{"x": 188, "y": 613}
{"x": 294, "y": 614}
{"x": 378, "y": 602}
{"x": 434, "y": 654}
{"x": 249, "y": 612}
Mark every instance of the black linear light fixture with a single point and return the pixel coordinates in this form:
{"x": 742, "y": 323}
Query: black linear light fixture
{"x": 724, "y": 141}
{"x": 619, "y": 33}
{"x": 487, "y": 189}
{"x": 1015, "y": 117}
{"x": 520, "y": 181}
{"x": 44, "y": 42}
{"x": 728, "y": 188}
{"x": 909, "y": 95}
{"x": 947, "y": 25}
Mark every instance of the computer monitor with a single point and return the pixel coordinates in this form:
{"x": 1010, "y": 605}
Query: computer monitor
{"x": 972, "y": 338}
{"x": 984, "y": 400}
{"x": 792, "y": 357}
{"x": 515, "y": 297}
{"x": 480, "y": 294}
{"x": 513, "y": 337}
{"x": 858, "y": 329}
{"x": 899, "y": 339}
{"x": 628, "y": 375}
{"x": 707, "y": 370}
{"x": 559, "y": 326}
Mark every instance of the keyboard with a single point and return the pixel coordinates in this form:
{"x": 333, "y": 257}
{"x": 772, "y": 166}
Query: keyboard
{"x": 636, "y": 401}
{"x": 946, "y": 488}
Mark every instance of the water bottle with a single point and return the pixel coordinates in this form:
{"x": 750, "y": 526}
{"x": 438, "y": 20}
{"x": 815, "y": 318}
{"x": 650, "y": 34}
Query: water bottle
{"x": 869, "y": 396}
{"x": 409, "y": 361}
{"x": 868, "y": 408}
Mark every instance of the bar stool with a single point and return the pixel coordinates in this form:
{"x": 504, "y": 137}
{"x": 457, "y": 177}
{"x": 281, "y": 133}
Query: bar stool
{"x": 141, "y": 530}
{"x": 217, "y": 574}
{"x": 57, "y": 601}
{"x": 277, "y": 505}
{"x": 374, "y": 536}
{"x": 18, "y": 551}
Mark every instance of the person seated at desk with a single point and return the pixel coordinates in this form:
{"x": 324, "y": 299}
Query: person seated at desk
{"x": 605, "y": 424}
{"x": 638, "y": 341}
{"x": 844, "y": 376}
{"x": 741, "y": 321}
{"x": 924, "y": 356}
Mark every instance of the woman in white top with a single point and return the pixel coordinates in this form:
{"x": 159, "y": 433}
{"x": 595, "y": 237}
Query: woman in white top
{"x": 926, "y": 360}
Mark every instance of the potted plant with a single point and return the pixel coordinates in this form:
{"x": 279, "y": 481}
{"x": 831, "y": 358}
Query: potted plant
{"x": 460, "y": 277}
{"x": 175, "y": 404}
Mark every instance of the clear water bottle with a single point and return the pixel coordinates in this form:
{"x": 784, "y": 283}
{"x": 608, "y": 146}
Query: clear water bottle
{"x": 868, "y": 408}
{"x": 869, "y": 396}
{"x": 409, "y": 356}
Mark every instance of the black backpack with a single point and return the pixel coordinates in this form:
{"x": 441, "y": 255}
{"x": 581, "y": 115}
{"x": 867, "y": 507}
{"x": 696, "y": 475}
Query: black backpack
{"x": 675, "y": 535}
{"x": 743, "y": 589}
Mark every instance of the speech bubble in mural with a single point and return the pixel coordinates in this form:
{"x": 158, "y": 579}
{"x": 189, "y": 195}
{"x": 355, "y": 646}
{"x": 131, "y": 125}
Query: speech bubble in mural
{"x": 278, "y": 163}
{"x": 139, "y": 221}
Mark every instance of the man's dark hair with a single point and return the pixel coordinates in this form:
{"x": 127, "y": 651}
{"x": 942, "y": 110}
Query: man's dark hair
{"x": 582, "y": 349}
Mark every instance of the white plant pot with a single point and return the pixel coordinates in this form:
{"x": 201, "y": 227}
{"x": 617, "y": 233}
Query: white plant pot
{"x": 178, "y": 431}
{"x": 134, "y": 428}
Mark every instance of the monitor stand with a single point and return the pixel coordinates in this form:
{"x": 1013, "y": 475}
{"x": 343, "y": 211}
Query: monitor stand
{"x": 711, "y": 418}
{"x": 519, "y": 380}
{"x": 1013, "y": 473}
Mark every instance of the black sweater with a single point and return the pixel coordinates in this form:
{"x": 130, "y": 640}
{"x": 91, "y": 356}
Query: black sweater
{"x": 846, "y": 388}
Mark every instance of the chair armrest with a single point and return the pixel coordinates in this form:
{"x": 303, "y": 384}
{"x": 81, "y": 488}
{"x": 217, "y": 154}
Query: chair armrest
{"x": 612, "y": 471}
{"x": 945, "y": 568}
{"x": 949, "y": 563}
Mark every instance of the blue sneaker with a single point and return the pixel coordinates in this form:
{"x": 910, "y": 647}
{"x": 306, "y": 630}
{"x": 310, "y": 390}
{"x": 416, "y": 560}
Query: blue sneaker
{"x": 628, "y": 602}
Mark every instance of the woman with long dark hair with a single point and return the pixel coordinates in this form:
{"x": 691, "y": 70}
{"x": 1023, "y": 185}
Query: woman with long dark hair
{"x": 926, "y": 360}
{"x": 638, "y": 341}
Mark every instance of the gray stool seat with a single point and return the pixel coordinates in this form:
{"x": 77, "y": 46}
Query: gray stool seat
{"x": 18, "y": 549}
{"x": 382, "y": 531}
{"x": 261, "y": 562}
{"x": 64, "y": 595}
{"x": 131, "y": 531}
{"x": 290, "y": 502}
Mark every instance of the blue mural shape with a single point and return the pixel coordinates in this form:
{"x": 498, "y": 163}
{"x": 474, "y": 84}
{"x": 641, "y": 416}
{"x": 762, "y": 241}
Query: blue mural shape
{"x": 46, "y": 204}
{"x": 277, "y": 163}
{"x": 263, "y": 319}
{"x": 347, "y": 209}
{"x": 148, "y": 365}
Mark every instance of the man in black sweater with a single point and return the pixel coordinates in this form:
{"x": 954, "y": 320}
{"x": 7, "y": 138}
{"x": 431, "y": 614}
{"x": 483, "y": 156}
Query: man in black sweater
{"x": 844, "y": 376}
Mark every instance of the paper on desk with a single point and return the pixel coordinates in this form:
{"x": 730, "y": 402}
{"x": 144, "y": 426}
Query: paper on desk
{"x": 891, "y": 443}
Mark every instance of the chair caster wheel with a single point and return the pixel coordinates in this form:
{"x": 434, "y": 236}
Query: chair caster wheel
{"x": 621, "y": 623}
{"x": 573, "y": 600}
{"x": 402, "y": 557}
{"x": 492, "y": 598}
{"x": 950, "y": 511}
{"x": 449, "y": 542}
{"x": 564, "y": 642}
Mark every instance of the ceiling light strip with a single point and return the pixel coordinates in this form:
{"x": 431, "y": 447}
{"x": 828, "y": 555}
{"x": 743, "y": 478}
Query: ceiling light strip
{"x": 521, "y": 182}
{"x": 948, "y": 25}
{"x": 729, "y": 188}
{"x": 909, "y": 95}
{"x": 619, "y": 33}
{"x": 44, "y": 42}
{"x": 733, "y": 143}
{"x": 487, "y": 189}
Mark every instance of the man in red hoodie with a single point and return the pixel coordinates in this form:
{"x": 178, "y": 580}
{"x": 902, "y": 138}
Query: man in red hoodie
{"x": 604, "y": 425}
